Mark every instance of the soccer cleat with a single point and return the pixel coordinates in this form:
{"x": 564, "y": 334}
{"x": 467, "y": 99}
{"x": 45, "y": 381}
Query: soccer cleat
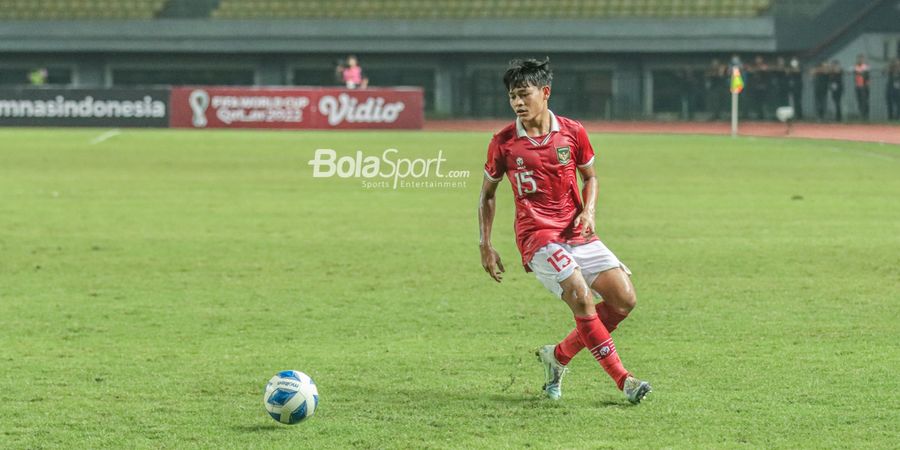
{"x": 553, "y": 372}
{"x": 635, "y": 389}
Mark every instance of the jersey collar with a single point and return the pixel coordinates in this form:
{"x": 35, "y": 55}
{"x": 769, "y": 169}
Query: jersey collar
{"x": 554, "y": 127}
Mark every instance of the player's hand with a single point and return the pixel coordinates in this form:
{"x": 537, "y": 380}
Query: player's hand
{"x": 490, "y": 260}
{"x": 586, "y": 220}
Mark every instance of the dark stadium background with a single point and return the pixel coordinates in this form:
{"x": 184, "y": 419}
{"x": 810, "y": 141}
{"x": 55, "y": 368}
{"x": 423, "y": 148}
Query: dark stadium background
{"x": 613, "y": 59}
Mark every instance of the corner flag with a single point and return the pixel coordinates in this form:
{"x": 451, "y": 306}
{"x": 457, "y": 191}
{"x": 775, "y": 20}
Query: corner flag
{"x": 737, "y": 85}
{"x": 737, "y": 82}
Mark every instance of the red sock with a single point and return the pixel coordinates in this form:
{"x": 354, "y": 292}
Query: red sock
{"x": 596, "y": 338}
{"x": 568, "y": 348}
{"x": 571, "y": 345}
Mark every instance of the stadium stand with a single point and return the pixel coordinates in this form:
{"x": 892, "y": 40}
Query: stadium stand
{"x": 476, "y": 9}
{"x": 803, "y": 8}
{"x": 12, "y": 10}
{"x": 79, "y": 9}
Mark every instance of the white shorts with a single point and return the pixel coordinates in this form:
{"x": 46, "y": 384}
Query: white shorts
{"x": 554, "y": 262}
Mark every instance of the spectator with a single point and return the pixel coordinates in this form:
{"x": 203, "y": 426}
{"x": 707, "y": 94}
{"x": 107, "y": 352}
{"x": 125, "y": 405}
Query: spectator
{"x": 836, "y": 87}
{"x": 353, "y": 74}
{"x": 795, "y": 87}
{"x": 339, "y": 71}
{"x": 893, "y": 90}
{"x": 735, "y": 62}
{"x": 820, "y": 88}
{"x": 779, "y": 83}
{"x": 690, "y": 93}
{"x": 861, "y": 82}
{"x": 37, "y": 77}
{"x": 758, "y": 81}
{"x": 716, "y": 84}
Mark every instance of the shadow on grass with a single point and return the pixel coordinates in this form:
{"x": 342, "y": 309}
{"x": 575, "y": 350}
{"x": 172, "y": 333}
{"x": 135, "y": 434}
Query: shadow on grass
{"x": 258, "y": 428}
{"x": 620, "y": 404}
{"x": 450, "y": 397}
{"x": 514, "y": 398}
{"x": 539, "y": 401}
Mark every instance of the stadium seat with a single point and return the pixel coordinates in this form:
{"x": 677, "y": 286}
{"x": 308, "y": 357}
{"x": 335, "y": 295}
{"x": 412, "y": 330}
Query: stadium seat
{"x": 474, "y": 9}
{"x": 79, "y": 9}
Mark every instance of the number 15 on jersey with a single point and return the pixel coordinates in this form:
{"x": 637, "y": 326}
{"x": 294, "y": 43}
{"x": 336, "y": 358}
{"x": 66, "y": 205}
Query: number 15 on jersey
{"x": 525, "y": 184}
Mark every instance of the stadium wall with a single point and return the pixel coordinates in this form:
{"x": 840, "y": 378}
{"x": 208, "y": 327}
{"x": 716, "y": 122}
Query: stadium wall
{"x": 607, "y": 69}
{"x": 458, "y": 63}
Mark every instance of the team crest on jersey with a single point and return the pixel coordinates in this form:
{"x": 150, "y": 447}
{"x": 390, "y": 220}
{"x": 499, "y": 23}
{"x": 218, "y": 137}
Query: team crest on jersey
{"x": 563, "y": 154}
{"x": 520, "y": 163}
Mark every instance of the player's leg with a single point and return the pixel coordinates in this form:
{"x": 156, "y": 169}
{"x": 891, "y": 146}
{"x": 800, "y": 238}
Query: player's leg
{"x": 614, "y": 286}
{"x": 609, "y": 278}
{"x": 552, "y": 264}
{"x": 617, "y": 301}
{"x": 558, "y": 270}
{"x": 577, "y": 295}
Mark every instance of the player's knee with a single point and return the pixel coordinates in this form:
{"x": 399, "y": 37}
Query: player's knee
{"x": 625, "y": 299}
{"x": 579, "y": 299}
{"x": 629, "y": 301}
{"x": 621, "y": 300}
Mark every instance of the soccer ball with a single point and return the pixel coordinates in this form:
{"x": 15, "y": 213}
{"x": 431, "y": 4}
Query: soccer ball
{"x": 291, "y": 397}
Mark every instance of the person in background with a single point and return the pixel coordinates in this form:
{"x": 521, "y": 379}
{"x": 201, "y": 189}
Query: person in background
{"x": 758, "y": 81}
{"x": 37, "y": 77}
{"x": 339, "y": 72}
{"x": 690, "y": 93}
{"x": 893, "y": 90}
{"x": 794, "y": 78}
{"x": 861, "y": 82}
{"x": 779, "y": 83}
{"x": 836, "y": 87}
{"x": 749, "y": 98}
{"x": 353, "y": 74}
{"x": 820, "y": 88}
{"x": 716, "y": 85}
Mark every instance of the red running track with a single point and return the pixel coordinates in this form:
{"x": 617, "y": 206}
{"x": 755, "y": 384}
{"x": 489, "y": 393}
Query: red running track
{"x": 886, "y": 134}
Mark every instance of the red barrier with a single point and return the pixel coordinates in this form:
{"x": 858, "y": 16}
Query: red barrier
{"x": 296, "y": 108}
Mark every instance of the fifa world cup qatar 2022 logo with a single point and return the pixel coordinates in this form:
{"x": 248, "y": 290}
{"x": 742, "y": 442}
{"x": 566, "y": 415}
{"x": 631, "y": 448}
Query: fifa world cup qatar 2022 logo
{"x": 199, "y": 102}
{"x": 246, "y": 108}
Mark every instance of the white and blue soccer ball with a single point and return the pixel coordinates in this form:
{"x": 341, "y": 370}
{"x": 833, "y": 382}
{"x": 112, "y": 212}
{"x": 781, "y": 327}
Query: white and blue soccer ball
{"x": 291, "y": 397}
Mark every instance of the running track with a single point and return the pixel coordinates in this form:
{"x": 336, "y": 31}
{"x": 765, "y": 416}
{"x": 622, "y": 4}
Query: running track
{"x": 885, "y": 134}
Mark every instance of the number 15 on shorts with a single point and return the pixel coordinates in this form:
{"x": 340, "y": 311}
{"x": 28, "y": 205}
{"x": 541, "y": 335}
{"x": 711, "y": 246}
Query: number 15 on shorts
{"x": 560, "y": 260}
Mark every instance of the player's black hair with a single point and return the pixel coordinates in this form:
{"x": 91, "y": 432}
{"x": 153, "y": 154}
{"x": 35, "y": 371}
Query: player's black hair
{"x": 528, "y": 72}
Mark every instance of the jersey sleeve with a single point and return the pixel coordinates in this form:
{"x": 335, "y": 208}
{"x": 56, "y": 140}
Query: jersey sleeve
{"x": 584, "y": 154}
{"x": 495, "y": 166}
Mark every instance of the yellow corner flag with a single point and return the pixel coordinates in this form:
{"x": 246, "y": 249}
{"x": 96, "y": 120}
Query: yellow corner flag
{"x": 737, "y": 82}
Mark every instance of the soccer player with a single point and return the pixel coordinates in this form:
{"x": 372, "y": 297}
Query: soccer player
{"x": 541, "y": 154}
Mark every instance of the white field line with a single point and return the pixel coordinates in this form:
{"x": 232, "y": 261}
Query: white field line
{"x": 105, "y": 136}
{"x": 868, "y": 153}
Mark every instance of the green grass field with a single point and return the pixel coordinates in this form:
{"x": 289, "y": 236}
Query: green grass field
{"x": 152, "y": 283}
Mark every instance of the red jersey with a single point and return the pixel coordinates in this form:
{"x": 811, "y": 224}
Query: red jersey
{"x": 544, "y": 181}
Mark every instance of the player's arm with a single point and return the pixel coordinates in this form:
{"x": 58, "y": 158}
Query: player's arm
{"x": 487, "y": 205}
{"x": 589, "y": 194}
